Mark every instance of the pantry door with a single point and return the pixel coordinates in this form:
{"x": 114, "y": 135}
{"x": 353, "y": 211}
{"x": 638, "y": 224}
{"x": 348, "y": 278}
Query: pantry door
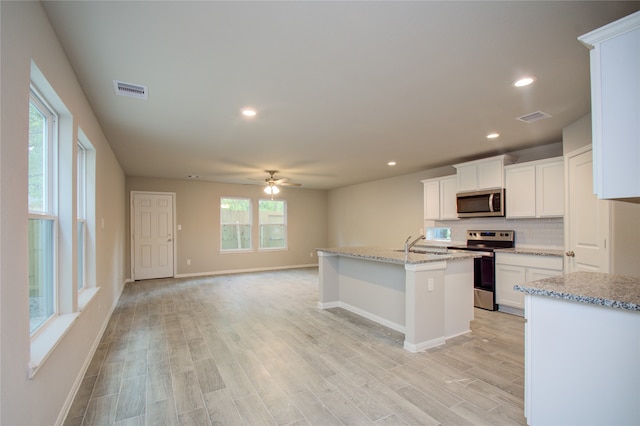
{"x": 587, "y": 217}
{"x": 152, "y": 245}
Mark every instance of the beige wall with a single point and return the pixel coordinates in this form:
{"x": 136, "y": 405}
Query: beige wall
{"x": 381, "y": 213}
{"x": 26, "y": 35}
{"x": 198, "y": 213}
{"x": 577, "y": 134}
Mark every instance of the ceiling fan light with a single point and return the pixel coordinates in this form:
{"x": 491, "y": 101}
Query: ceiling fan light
{"x": 271, "y": 190}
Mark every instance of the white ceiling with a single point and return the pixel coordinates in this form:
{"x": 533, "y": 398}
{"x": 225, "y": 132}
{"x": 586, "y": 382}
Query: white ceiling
{"x": 341, "y": 88}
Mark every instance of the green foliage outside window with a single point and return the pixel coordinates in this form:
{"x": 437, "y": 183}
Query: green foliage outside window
{"x": 235, "y": 222}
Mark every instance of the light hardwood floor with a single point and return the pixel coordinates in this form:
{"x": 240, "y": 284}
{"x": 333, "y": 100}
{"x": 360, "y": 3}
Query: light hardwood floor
{"x": 253, "y": 349}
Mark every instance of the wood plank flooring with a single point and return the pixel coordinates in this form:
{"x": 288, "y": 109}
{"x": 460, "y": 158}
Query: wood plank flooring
{"x": 253, "y": 349}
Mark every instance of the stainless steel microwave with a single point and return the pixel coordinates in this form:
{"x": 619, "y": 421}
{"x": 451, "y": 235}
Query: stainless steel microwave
{"x": 487, "y": 203}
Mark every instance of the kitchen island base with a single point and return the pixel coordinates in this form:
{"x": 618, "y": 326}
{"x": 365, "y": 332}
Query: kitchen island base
{"x": 429, "y": 302}
{"x": 582, "y": 363}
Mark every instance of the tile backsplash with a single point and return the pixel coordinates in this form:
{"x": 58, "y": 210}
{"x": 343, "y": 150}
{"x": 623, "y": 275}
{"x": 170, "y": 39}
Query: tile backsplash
{"x": 530, "y": 233}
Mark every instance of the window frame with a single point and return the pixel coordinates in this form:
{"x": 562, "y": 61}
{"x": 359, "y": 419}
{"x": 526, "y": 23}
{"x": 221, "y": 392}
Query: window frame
{"x": 249, "y": 224}
{"x": 49, "y": 206}
{"x": 285, "y": 225}
{"x": 81, "y": 216}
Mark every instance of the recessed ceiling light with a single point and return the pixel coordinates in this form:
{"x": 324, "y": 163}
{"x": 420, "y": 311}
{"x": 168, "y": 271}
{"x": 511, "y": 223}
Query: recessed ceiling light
{"x": 525, "y": 81}
{"x": 249, "y": 112}
{"x": 391, "y": 163}
{"x": 493, "y": 135}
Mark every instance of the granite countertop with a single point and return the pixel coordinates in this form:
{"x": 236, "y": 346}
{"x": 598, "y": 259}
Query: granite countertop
{"x": 532, "y": 251}
{"x": 615, "y": 291}
{"x": 397, "y": 255}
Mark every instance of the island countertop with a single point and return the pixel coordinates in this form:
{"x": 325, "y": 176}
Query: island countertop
{"x": 615, "y": 291}
{"x": 396, "y": 255}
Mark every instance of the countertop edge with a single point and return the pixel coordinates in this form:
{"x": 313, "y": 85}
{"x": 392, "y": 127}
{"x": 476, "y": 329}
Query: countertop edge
{"x": 594, "y": 288}
{"x": 396, "y": 257}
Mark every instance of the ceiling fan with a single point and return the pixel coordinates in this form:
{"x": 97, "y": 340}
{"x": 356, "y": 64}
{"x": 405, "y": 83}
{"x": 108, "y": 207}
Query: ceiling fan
{"x": 273, "y": 183}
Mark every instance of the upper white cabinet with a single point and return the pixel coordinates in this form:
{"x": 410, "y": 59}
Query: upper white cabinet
{"x": 487, "y": 173}
{"x": 615, "y": 107}
{"x": 535, "y": 189}
{"x": 440, "y": 198}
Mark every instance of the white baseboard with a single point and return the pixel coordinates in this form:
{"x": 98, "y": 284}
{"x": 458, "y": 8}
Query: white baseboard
{"x": 424, "y": 345}
{"x": 368, "y": 315}
{"x": 510, "y": 310}
{"x": 242, "y": 271}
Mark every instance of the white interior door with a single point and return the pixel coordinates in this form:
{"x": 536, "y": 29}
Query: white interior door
{"x": 152, "y": 233}
{"x": 587, "y": 218}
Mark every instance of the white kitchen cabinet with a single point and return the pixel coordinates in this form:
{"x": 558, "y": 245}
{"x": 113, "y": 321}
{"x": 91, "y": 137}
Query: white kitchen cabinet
{"x": 615, "y": 108}
{"x": 535, "y": 189}
{"x": 440, "y": 198}
{"x": 482, "y": 174}
{"x": 512, "y": 269}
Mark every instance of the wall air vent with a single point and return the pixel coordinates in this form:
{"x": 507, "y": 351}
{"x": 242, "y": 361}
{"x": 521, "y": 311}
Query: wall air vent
{"x": 131, "y": 90}
{"x": 534, "y": 116}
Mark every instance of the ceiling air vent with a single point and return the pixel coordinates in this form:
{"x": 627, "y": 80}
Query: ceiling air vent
{"x": 534, "y": 116}
{"x": 131, "y": 90}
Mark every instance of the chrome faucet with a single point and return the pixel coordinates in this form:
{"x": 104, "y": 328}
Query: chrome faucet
{"x": 408, "y": 245}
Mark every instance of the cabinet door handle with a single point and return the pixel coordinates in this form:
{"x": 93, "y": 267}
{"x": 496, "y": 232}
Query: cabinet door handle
{"x": 570, "y": 253}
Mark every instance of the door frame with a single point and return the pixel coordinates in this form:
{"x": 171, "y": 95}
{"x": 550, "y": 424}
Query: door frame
{"x": 132, "y": 229}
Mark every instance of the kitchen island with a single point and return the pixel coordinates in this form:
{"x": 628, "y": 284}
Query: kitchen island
{"x": 427, "y": 296}
{"x": 582, "y": 349}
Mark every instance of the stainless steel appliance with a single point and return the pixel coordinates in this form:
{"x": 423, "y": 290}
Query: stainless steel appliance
{"x": 481, "y": 203}
{"x": 484, "y": 277}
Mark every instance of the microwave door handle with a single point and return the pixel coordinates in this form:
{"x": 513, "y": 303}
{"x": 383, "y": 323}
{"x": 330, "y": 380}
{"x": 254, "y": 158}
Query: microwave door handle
{"x": 491, "y": 202}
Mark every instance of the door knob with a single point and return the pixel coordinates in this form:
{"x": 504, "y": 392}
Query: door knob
{"x": 570, "y": 253}
{"x": 169, "y": 240}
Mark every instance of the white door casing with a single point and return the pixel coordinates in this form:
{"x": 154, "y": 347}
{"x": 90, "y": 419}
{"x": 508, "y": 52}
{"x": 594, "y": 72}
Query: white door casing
{"x": 587, "y": 217}
{"x": 152, "y": 241}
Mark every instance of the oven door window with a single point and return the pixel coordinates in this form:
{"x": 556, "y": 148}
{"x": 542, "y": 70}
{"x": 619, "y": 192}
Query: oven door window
{"x": 484, "y": 273}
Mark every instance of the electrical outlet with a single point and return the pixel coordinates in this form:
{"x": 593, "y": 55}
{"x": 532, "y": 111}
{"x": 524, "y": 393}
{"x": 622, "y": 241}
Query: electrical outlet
{"x": 310, "y": 254}
{"x": 188, "y": 261}
{"x": 430, "y": 284}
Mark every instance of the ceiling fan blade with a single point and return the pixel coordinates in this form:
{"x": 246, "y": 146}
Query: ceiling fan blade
{"x": 289, "y": 184}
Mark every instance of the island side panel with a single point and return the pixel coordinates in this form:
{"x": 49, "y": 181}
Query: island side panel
{"x": 458, "y": 298}
{"x": 328, "y": 280}
{"x": 581, "y": 363}
{"x": 374, "y": 290}
{"x": 425, "y": 306}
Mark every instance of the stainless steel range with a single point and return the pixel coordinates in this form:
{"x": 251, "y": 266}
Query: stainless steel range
{"x": 484, "y": 276}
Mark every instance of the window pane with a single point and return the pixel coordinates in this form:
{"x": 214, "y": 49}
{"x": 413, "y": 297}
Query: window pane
{"x": 81, "y": 182}
{"x": 81, "y": 253}
{"x": 37, "y": 159}
{"x": 439, "y": 233}
{"x": 41, "y": 271}
{"x": 236, "y": 237}
{"x": 235, "y": 223}
{"x": 273, "y": 224}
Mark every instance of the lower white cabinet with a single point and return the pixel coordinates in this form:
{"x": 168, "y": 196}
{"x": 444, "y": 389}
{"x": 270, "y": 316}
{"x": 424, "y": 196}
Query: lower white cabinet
{"x": 440, "y": 198}
{"x": 512, "y": 269}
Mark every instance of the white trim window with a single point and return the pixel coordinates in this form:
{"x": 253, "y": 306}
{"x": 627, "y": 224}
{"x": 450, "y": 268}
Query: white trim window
{"x": 272, "y": 222}
{"x": 235, "y": 224}
{"x": 43, "y": 220}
